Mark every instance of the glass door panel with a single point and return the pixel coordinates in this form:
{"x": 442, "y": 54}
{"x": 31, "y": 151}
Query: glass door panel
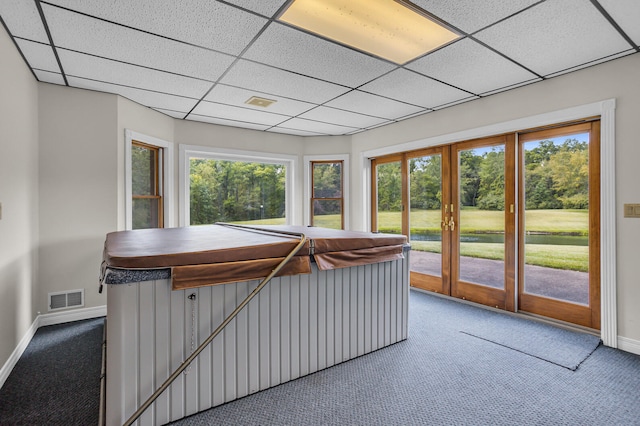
{"x": 559, "y": 199}
{"x": 482, "y": 222}
{"x": 388, "y": 181}
{"x": 425, "y": 219}
{"x": 428, "y": 192}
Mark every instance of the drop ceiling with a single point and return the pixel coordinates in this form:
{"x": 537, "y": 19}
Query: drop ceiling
{"x": 202, "y": 60}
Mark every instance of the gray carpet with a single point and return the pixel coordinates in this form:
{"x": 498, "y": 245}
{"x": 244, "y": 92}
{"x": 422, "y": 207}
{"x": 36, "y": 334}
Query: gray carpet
{"x": 565, "y": 348}
{"x": 440, "y": 376}
{"x": 57, "y": 379}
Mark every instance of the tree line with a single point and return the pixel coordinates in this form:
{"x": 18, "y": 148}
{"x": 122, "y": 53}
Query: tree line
{"x": 230, "y": 191}
{"x": 556, "y": 177}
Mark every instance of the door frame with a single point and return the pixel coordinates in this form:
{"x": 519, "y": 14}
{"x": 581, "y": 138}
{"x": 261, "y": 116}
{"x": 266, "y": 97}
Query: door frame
{"x": 606, "y": 110}
{"x": 587, "y": 316}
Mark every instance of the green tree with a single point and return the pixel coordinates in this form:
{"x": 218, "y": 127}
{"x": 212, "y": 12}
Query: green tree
{"x": 491, "y": 187}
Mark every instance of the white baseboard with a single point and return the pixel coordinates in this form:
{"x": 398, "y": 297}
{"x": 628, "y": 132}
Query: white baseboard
{"x": 44, "y": 320}
{"x": 629, "y": 345}
{"x": 71, "y": 315}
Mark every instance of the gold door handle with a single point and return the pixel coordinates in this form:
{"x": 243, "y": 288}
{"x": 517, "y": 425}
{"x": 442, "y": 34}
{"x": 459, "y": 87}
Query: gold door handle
{"x": 445, "y": 224}
{"x": 452, "y": 224}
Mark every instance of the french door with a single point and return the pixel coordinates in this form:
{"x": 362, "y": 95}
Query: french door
{"x": 474, "y": 215}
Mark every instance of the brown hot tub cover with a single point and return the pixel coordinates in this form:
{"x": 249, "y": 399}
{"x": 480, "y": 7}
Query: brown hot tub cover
{"x": 217, "y": 254}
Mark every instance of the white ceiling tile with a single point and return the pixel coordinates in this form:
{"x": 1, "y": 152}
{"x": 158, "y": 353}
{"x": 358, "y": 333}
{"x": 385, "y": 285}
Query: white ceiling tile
{"x": 223, "y": 122}
{"x": 170, "y": 113}
{"x": 366, "y": 103}
{"x": 201, "y": 22}
{"x": 143, "y": 97}
{"x": 341, "y": 117}
{"x": 284, "y": 130}
{"x": 291, "y": 49}
{"x": 264, "y": 7}
{"x": 627, "y": 14}
{"x": 407, "y": 86}
{"x": 78, "y": 32}
{"x": 23, "y": 20}
{"x": 266, "y": 79}
{"x": 472, "y": 15}
{"x": 461, "y": 101}
{"x": 39, "y": 55}
{"x": 85, "y": 66}
{"x": 472, "y": 67}
{"x": 49, "y": 77}
{"x": 555, "y": 35}
{"x": 589, "y": 64}
{"x": 234, "y": 96}
{"x": 316, "y": 127}
{"x": 228, "y": 112}
{"x": 503, "y": 89}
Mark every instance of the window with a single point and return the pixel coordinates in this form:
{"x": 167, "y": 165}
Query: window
{"x": 146, "y": 185}
{"x": 326, "y": 180}
{"x": 148, "y": 182}
{"x": 327, "y": 201}
{"x": 234, "y": 186}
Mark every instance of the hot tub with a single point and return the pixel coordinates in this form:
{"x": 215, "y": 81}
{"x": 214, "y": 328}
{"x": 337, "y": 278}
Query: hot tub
{"x": 344, "y": 294}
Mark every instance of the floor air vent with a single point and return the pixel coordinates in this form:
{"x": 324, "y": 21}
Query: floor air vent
{"x": 66, "y": 299}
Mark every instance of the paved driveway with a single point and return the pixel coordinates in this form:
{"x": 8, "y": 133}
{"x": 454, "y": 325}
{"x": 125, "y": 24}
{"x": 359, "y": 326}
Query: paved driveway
{"x": 571, "y": 286}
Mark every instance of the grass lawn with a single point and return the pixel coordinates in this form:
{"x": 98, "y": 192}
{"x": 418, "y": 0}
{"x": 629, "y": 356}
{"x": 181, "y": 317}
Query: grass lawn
{"x": 474, "y": 220}
{"x": 573, "y": 258}
{"x": 568, "y": 257}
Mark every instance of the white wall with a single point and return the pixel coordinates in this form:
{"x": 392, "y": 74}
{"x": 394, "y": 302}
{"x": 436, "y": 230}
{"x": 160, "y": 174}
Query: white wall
{"x": 617, "y": 79}
{"x": 18, "y": 195}
{"x": 78, "y": 193}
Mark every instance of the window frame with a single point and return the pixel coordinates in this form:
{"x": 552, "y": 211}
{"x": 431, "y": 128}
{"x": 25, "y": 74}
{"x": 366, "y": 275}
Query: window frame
{"x": 308, "y": 182}
{"x": 158, "y": 187}
{"x": 313, "y": 199}
{"x": 166, "y": 181}
{"x": 187, "y": 152}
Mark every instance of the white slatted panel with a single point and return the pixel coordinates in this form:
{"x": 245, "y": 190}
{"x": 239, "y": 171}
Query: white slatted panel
{"x": 295, "y": 326}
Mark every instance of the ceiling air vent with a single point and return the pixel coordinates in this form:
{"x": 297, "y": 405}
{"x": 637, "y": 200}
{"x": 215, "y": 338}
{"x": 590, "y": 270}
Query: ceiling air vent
{"x": 66, "y": 299}
{"x": 261, "y": 102}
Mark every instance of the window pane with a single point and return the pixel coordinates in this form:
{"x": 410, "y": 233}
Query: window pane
{"x": 145, "y": 213}
{"x": 556, "y": 217}
{"x": 425, "y": 217}
{"x": 327, "y": 213}
{"x": 327, "y": 180}
{"x": 482, "y": 223}
{"x": 236, "y": 191}
{"x": 390, "y": 197}
{"x": 143, "y": 165}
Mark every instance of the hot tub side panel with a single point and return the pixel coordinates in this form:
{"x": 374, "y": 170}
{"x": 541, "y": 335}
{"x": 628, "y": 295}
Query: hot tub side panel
{"x": 295, "y": 326}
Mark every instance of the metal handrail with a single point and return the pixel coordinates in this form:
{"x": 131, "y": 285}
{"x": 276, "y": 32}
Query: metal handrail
{"x": 221, "y": 327}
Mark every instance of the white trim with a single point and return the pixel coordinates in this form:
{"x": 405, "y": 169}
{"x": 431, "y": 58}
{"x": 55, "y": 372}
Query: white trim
{"x": 6, "y": 369}
{"x": 606, "y": 110}
{"x": 167, "y": 179}
{"x": 629, "y": 345}
{"x": 44, "y": 320}
{"x": 307, "y": 159}
{"x": 186, "y": 152}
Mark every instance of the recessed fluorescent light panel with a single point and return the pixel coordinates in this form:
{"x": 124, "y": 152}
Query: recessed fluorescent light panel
{"x": 395, "y": 30}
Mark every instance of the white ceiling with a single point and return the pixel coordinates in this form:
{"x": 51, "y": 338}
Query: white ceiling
{"x": 203, "y": 59}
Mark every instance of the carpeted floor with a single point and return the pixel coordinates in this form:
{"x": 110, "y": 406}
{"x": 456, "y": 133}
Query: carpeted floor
{"x": 439, "y": 376}
{"x": 57, "y": 379}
